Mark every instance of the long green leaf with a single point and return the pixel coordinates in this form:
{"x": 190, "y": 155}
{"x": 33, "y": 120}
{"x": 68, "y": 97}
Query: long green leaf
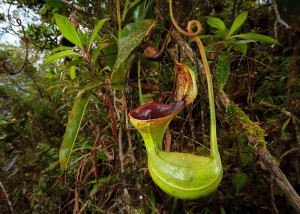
{"x": 217, "y": 23}
{"x": 72, "y": 128}
{"x": 257, "y": 37}
{"x": 95, "y": 32}
{"x": 238, "y": 22}
{"x": 67, "y": 30}
{"x": 61, "y": 55}
{"x": 223, "y": 71}
{"x": 129, "y": 38}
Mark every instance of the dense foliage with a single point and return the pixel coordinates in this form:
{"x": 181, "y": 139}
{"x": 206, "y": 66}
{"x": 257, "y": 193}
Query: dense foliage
{"x": 101, "y": 74}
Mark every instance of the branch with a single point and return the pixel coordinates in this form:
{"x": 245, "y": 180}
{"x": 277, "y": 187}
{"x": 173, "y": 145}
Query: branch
{"x": 255, "y": 136}
{"x": 278, "y": 19}
{"x": 6, "y": 197}
{"x": 74, "y": 6}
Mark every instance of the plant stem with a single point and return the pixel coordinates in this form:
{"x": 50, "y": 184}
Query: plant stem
{"x": 118, "y": 15}
{"x": 6, "y": 197}
{"x": 139, "y": 84}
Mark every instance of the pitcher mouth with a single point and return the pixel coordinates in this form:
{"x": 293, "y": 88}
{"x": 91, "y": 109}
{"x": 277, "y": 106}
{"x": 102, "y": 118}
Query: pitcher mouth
{"x": 155, "y": 110}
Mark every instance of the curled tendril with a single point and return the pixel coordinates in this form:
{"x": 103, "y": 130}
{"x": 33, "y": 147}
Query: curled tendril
{"x": 24, "y": 39}
{"x": 190, "y": 31}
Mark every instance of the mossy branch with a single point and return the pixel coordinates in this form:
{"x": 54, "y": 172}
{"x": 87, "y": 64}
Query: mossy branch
{"x": 256, "y": 139}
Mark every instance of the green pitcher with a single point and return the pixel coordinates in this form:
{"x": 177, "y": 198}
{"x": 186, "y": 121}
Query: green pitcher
{"x": 181, "y": 175}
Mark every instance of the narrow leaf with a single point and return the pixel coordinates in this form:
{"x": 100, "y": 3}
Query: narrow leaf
{"x": 129, "y": 38}
{"x": 238, "y": 22}
{"x": 61, "y": 55}
{"x": 61, "y": 48}
{"x": 67, "y": 30}
{"x": 217, "y": 23}
{"x": 73, "y": 72}
{"x": 76, "y": 62}
{"x": 72, "y": 128}
{"x": 223, "y": 71}
{"x": 257, "y": 37}
{"x": 96, "y": 31}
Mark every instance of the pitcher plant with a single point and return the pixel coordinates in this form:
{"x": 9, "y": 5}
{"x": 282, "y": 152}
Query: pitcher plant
{"x": 181, "y": 175}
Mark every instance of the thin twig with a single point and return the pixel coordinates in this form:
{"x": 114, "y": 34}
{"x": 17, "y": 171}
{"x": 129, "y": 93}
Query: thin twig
{"x": 7, "y": 198}
{"x": 121, "y": 156}
{"x": 188, "y": 138}
{"x": 287, "y": 153}
{"x": 278, "y": 19}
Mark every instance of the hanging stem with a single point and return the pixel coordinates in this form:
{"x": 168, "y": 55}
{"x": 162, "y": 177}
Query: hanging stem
{"x": 213, "y": 134}
{"x": 139, "y": 83}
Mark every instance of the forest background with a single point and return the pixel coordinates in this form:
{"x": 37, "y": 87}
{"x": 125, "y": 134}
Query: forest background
{"x": 256, "y": 83}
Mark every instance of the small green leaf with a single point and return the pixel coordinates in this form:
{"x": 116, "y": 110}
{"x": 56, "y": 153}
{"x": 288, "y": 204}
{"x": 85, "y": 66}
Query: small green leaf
{"x": 61, "y": 55}
{"x": 238, "y": 22}
{"x": 73, "y": 72}
{"x": 129, "y": 38}
{"x": 67, "y": 30}
{"x": 95, "y": 32}
{"x": 257, "y": 37}
{"x": 223, "y": 71}
{"x": 72, "y": 128}
{"x": 217, "y": 23}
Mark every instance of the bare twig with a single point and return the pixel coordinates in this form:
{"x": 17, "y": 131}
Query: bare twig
{"x": 7, "y": 198}
{"x": 120, "y": 135}
{"x": 121, "y": 156}
{"x": 278, "y": 20}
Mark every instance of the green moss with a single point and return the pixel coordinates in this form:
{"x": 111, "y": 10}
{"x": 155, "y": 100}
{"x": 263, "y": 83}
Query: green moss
{"x": 242, "y": 124}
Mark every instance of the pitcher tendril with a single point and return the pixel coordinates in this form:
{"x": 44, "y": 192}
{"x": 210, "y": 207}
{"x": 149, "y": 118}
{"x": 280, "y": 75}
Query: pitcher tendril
{"x": 194, "y": 35}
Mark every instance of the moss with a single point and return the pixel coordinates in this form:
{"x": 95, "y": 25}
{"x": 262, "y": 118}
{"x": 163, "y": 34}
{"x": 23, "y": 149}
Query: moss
{"x": 242, "y": 123}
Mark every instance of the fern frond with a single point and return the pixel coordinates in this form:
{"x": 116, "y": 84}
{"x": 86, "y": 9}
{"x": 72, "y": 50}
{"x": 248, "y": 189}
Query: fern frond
{"x": 239, "y": 180}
